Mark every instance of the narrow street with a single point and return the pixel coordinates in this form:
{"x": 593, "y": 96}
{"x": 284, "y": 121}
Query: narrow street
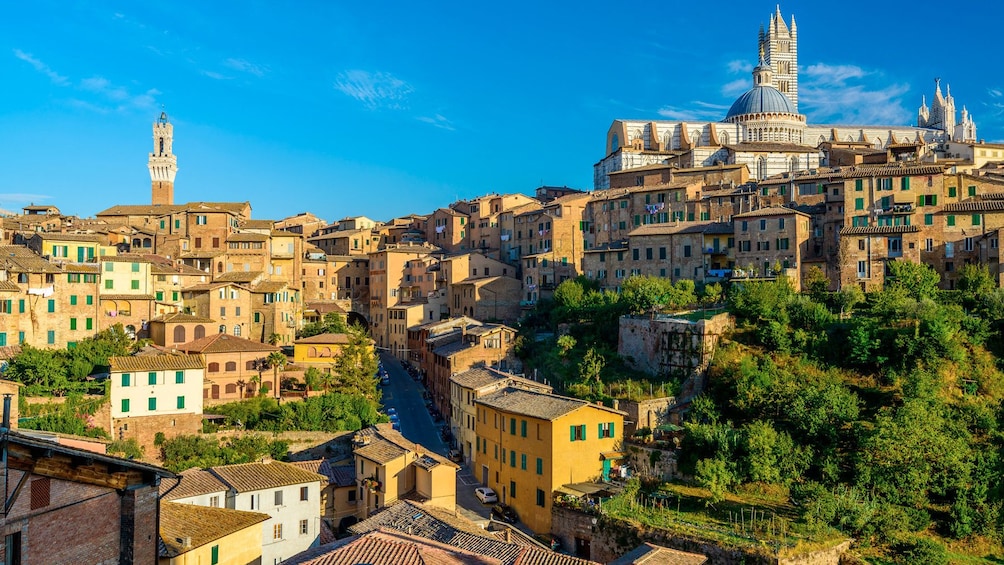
{"x": 405, "y": 394}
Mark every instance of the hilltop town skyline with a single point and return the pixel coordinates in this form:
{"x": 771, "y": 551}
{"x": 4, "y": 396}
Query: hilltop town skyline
{"x": 411, "y": 121}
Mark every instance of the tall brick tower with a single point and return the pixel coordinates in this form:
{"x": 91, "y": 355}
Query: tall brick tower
{"x": 163, "y": 163}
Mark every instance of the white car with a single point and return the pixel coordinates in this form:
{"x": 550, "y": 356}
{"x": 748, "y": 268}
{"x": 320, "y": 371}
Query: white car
{"x": 486, "y": 495}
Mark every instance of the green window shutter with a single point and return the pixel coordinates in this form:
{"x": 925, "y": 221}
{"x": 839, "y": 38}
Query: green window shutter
{"x": 73, "y": 324}
{"x": 135, "y": 267}
{"x": 613, "y": 432}
{"x": 950, "y": 220}
{"x": 522, "y": 461}
{"x": 934, "y": 200}
{"x": 512, "y": 426}
{"x": 976, "y": 219}
{"x": 20, "y": 306}
{"x": 109, "y": 267}
{"x": 125, "y": 404}
{"x": 215, "y": 552}
{"x": 51, "y": 337}
{"x": 109, "y": 284}
{"x": 972, "y": 191}
{"x": 151, "y": 404}
{"x": 20, "y": 337}
{"x": 571, "y": 433}
{"x": 858, "y": 184}
{"x": 177, "y": 224}
{"x": 583, "y": 431}
{"x": 51, "y": 306}
{"x": 951, "y": 192}
{"x": 859, "y": 203}
{"x": 3, "y": 339}
{"x": 904, "y": 183}
{"x": 522, "y": 428}
{"x": 134, "y": 285}
{"x": 512, "y": 458}
{"x": 928, "y": 219}
{"x": 179, "y": 377}
{"x": 151, "y": 378}
{"x": 73, "y": 300}
{"x": 160, "y": 295}
{"x": 540, "y": 466}
{"x": 174, "y": 296}
{"x": 125, "y": 379}
{"x": 181, "y": 402}
{"x": 637, "y": 219}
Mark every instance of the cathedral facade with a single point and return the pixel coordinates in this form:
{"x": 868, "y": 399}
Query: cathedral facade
{"x": 764, "y": 130}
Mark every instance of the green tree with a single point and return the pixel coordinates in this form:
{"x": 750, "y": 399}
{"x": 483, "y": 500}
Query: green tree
{"x": 715, "y": 475}
{"x": 41, "y": 371}
{"x": 847, "y": 298}
{"x": 916, "y": 280}
{"x": 569, "y": 294}
{"x": 816, "y": 283}
{"x": 356, "y": 366}
{"x": 645, "y": 294}
{"x": 277, "y": 361}
{"x": 591, "y": 367}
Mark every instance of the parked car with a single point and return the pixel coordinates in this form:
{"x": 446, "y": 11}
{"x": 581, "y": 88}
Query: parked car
{"x": 385, "y": 381}
{"x": 395, "y": 425}
{"x": 486, "y": 495}
{"x": 504, "y": 513}
{"x": 392, "y": 411}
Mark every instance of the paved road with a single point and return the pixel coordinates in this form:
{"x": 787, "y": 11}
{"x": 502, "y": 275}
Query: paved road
{"x": 405, "y": 394}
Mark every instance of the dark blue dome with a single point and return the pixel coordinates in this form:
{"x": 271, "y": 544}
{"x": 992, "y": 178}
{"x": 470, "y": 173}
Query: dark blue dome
{"x": 761, "y": 100}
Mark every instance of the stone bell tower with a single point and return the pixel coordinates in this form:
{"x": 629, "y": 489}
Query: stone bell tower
{"x": 163, "y": 164}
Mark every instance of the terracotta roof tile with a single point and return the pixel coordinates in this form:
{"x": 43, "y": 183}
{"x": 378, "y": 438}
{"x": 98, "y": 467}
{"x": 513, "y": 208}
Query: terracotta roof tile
{"x": 535, "y": 404}
{"x": 9, "y": 286}
{"x": 330, "y": 338}
{"x": 975, "y": 205}
{"x": 878, "y": 230}
{"x": 389, "y": 548}
{"x": 247, "y": 477}
{"x": 238, "y": 276}
{"x": 224, "y": 343}
{"x": 182, "y": 318}
{"x": 651, "y": 554}
{"x": 199, "y": 524}
{"x": 768, "y": 211}
{"x": 189, "y": 483}
{"x": 165, "y": 362}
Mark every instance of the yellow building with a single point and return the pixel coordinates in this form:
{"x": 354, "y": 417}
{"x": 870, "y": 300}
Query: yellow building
{"x": 465, "y": 388}
{"x": 82, "y": 248}
{"x": 388, "y": 467}
{"x": 197, "y": 535}
{"x": 125, "y": 292}
{"x": 532, "y": 443}
{"x": 319, "y": 350}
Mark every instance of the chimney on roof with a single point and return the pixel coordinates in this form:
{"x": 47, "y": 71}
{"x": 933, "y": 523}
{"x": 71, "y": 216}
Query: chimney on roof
{"x": 508, "y": 535}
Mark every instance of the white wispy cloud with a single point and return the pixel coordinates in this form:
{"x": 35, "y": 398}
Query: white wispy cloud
{"x": 215, "y": 75}
{"x": 853, "y": 95}
{"x": 374, "y": 89}
{"x": 437, "y": 120}
{"x": 734, "y": 87}
{"x": 246, "y": 66}
{"x": 120, "y": 96}
{"x": 995, "y": 92}
{"x": 740, "y": 66}
{"x": 41, "y": 67}
{"x": 9, "y": 198}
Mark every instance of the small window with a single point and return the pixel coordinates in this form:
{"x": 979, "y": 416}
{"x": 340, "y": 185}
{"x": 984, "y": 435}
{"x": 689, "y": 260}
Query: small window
{"x": 181, "y": 403}
{"x": 278, "y": 498}
{"x": 304, "y": 493}
{"x": 151, "y": 404}
{"x": 303, "y": 527}
{"x": 125, "y": 405}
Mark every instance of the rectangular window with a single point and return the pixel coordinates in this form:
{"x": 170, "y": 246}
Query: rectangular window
{"x": 512, "y": 458}
{"x": 635, "y": 254}
{"x": 512, "y": 489}
{"x": 109, "y": 267}
{"x": 73, "y": 300}
{"x": 976, "y": 219}
{"x": 109, "y": 284}
{"x": 303, "y": 527}
{"x": 125, "y": 405}
{"x": 512, "y": 426}
{"x": 540, "y": 498}
{"x": 687, "y": 251}
{"x": 763, "y": 225}
{"x": 951, "y": 192}
{"x": 540, "y": 466}
{"x": 928, "y": 219}
{"x": 278, "y": 498}
{"x": 51, "y": 337}
{"x": 125, "y": 379}
{"x": 304, "y": 493}
{"x": 904, "y": 183}
{"x": 20, "y": 306}
{"x": 134, "y": 285}
{"x": 151, "y": 378}
{"x": 522, "y": 428}
{"x": 972, "y": 191}
{"x": 51, "y": 306}
{"x": 277, "y": 531}
{"x": 859, "y": 203}
{"x": 950, "y": 220}
{"x": 179, "y": 377}
{"x": 522, "y": 461}
{"x": 181, "y": 403}
{"x": 135, "y": 267}
{"x": 214, "y": 557}
{"x": 151, "y": 404}
{"x": 90, "y": 300}
{"x": 73, "y": 324}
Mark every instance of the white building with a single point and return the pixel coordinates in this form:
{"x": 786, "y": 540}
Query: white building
{"x": 158, "y": 392}
{"x": 764, "y": 130}
{"x": 289, "y": 495}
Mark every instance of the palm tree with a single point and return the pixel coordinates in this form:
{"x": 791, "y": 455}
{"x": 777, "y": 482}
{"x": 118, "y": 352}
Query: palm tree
{"x": 274, "y": 339}
{"x": 241, "y": 385}
{"x": 277, "y": 360}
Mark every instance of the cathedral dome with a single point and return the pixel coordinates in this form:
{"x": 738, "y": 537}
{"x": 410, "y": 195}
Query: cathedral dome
{"x": 761, "y": 99}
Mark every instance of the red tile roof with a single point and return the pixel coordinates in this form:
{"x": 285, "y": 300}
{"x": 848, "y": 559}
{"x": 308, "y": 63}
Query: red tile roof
{"x": 225, "y": 343}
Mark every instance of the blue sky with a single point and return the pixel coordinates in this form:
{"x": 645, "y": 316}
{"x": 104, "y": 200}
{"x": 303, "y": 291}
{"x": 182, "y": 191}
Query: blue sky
{"x": 388, "y": 108}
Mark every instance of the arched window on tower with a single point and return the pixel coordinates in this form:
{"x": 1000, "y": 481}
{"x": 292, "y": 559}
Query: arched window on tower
{"x": 162, "y": 146}
{"x": 794, "y": 164}
{"x": 761, "y": 168}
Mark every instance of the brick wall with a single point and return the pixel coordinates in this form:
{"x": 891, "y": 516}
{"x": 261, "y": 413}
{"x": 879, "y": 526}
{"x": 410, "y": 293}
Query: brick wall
{"x": 144, "y": 428}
